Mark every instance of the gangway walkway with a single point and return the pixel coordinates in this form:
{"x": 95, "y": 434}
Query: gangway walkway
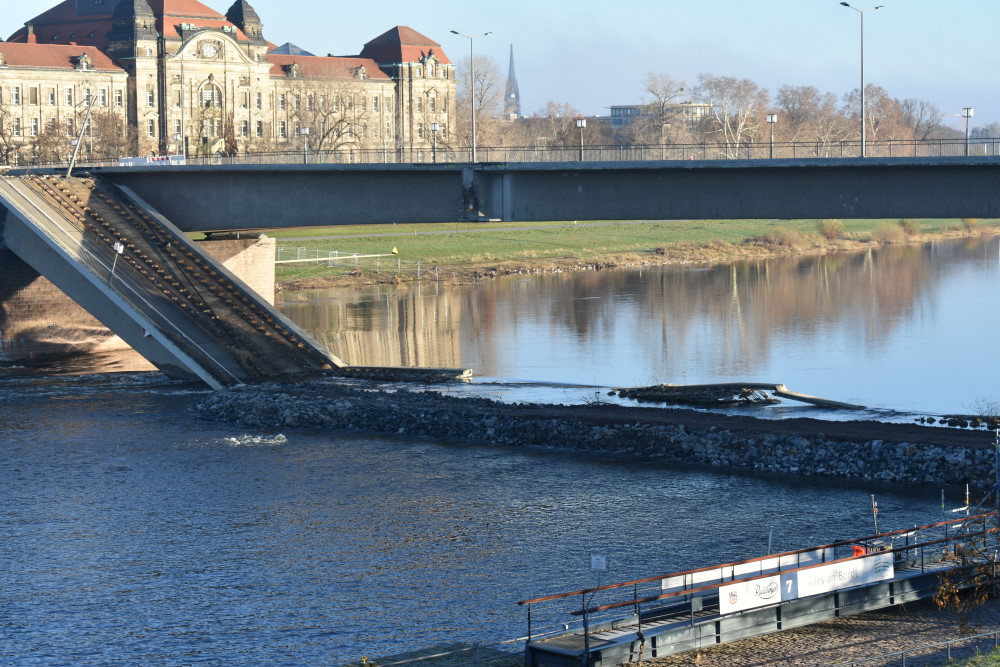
{"x": 684, "y": 611}
{"x": 150, "y": 284}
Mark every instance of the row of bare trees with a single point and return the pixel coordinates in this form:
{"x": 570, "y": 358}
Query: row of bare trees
{"x": 723, "y": 110}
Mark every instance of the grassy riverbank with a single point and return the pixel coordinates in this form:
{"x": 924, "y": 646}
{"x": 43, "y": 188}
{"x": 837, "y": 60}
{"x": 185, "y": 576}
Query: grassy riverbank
{"x": 460, "y": 252}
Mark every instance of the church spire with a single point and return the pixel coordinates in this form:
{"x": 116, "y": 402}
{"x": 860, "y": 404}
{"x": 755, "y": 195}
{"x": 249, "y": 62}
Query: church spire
{"x": 511, "y": 97}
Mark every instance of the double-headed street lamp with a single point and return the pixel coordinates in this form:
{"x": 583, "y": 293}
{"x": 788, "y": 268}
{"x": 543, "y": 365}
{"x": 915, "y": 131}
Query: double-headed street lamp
{"x": 472, "y": 84}
{"x": 861, "y": 13}
{"x": 772, "y": 118}
{"x": 967, "y": 114}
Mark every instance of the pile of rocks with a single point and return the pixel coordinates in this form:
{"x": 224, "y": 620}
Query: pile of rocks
{"x": 431, "y": 414}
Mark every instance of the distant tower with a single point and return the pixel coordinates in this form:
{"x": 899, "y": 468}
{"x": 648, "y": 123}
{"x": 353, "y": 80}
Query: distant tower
{"x": 511, "y": 98}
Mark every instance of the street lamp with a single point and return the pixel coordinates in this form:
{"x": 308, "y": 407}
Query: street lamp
{"x": 861, "y": 13}
{"x": 304, "y": 131}
{"x": 772, "y": 118}
{"x": 180, "y": 145}
{"x": 472, "y": 84}
{"x": 581, "y": 123}
{"x": 967, "y": 115}
{"x": 434, "y": 137}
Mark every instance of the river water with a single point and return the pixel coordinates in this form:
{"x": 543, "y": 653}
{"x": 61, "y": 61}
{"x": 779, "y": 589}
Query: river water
{"x": 135, "y": 533}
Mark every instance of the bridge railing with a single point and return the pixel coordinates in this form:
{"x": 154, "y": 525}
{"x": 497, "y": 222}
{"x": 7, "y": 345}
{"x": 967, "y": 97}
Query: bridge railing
{"x": 894, "y": 148}
{"x": 614, "y": 605}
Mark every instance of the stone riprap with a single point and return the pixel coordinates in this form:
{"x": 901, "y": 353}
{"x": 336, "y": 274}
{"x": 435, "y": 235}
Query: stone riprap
{"x": 434, "y": 415}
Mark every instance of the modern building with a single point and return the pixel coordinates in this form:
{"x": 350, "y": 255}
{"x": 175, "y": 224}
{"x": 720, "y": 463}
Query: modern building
{"x": 623, "y": 115}
{"x": 180, "y": 77}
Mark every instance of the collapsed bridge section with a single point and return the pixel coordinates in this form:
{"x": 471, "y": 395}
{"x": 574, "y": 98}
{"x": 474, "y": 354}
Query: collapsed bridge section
{"x": 146, "y": 281}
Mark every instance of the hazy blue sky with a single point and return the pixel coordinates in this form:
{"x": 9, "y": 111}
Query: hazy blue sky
{"x": 593, "y": 55}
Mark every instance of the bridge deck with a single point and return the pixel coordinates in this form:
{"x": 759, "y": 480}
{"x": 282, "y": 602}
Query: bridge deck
{"x": 223, "y": 332}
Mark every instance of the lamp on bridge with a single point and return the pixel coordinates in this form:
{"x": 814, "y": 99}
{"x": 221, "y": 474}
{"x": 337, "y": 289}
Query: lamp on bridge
{"x": 581, "y": 123}
{"x": 772, "y": 118}
{"x": 472, "y": 84}
{"x": 862, "y": 12}
{"x": 967, "y": 114}
{"x": 180, "y": 145}
{"x": 304, "y": 131}
{"x": 434, "y": 138}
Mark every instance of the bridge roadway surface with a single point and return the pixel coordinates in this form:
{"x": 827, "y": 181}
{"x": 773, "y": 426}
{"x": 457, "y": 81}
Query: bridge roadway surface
{"x": 243, "y": 197}
{"x": 170, "y": 301}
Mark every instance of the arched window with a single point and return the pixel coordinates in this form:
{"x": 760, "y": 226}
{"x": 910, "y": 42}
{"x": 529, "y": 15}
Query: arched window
{"x": 211, "y": 96}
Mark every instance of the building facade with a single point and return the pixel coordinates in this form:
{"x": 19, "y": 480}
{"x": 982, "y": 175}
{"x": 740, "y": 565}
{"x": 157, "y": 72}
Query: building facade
{"x": 181, "y": 78}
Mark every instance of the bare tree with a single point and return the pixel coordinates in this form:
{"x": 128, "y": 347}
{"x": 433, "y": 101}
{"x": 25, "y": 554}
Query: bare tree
{"x": 737, "y": 109}
{"x": 883, "y": 113}
{"x": 663, "y": 118}
{"x": 489, "y": 96}
{"x": 921, "y": 117}
{"x": 338, "y": 113}
{"x": 806, "y": 114}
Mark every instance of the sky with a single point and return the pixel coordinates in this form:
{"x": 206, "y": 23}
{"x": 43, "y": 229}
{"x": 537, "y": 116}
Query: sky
{"x": 595, "y": 55}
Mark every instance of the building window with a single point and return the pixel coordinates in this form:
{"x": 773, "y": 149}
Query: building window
{"x": 420, "y": 130}
{"x": 102, "y": 97}
{"x": 244, "y": 128}
{"x": 50, "y": 96}
{"x": 211, "y": 96}
{"x": 151, "y": 127}
{"x": 68, "y": 97}
{"x": 260, "y": 101}
{"x": 149, "y": 52}
{"x": 282, "y": 129}
{"x": 15, "y": 95}
{"x": 309, "y": 102}
{"x": 420, "y": 105}
{"x": 33, "y": 127}
{"x": 298, "y": 102}
{"x": 281, "y": 101}
{"x": 419, "y": 72}
{"x": 70, "y": 127}
{"x": 86, "y": 95}
{"x": 375, "y": 104}
{"x": 119, "y": 98}
{"x": 33, "y": 95}
{"x": 260, "y": 129}
{"x": 245, "y": 103}
{"x": 177, "y": 126}
{"x": 16, "y": 127}
{"x": 432, "y": 104}
{"x": 150, "y": 98}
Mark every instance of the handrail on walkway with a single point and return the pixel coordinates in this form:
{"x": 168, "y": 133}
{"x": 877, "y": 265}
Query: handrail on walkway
{"x": 647, "y": 580}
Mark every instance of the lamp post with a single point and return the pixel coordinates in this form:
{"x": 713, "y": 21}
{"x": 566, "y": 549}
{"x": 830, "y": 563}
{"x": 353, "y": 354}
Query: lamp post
{"x": 472, "y": 84}
{"x": 434, "y": 138}
{"x": 967, "y": 114}
{"x": 581, "y": 123}
{"x": 304, "y": 131}
{"x": 861, "y": 13}
{"x": 772, "y": 118}
{"x": 180, "y": 145}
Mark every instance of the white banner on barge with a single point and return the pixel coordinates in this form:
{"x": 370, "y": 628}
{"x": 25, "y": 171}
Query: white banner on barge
{"x": 743, "y": 595}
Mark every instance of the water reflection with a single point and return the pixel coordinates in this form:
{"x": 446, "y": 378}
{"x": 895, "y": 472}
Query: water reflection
{"x": 886, "y": 327}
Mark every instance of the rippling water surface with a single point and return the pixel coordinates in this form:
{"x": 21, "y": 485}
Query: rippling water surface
{"x": 134, "y": 533}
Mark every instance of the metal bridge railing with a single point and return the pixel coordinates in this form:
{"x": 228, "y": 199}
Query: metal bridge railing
{"x": 893, "y": 148}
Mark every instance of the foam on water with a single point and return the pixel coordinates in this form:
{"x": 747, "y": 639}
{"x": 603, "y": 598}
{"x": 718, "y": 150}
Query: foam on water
{"x": 246, "y": 440}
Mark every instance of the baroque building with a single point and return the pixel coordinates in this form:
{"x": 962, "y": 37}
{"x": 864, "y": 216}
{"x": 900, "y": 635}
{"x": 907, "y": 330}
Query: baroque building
{"x": 174, "y": 76}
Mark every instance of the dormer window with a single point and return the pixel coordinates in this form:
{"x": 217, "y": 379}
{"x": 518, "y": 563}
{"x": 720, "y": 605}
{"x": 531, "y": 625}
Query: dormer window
{"x": 361, "y": 73}
{"x": 84, "y": 62}
{"x": 292, "y": 70}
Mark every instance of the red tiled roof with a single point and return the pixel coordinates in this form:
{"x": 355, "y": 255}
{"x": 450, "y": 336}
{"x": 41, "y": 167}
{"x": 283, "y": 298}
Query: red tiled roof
{"x": 54, "y": 56}
{"x": 59, "y": 23}
{"x": 329, "y": 67}
{"x": 402, "y": 45}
